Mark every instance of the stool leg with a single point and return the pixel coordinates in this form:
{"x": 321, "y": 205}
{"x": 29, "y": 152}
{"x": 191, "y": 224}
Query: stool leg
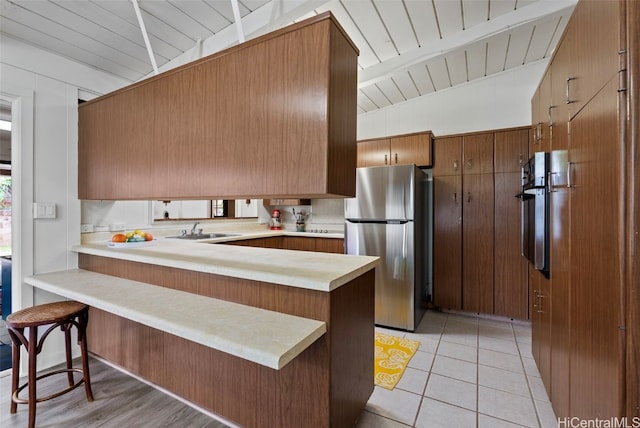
{"x": 83, "y": 319}
{"x": 15, "y": 366}
{"x": 33, "y": 352}
{"x": 67, "y": 344}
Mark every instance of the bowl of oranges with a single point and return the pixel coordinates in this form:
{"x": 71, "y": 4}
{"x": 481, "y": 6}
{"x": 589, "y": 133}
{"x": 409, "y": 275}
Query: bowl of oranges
{"x": 137, "y": 238}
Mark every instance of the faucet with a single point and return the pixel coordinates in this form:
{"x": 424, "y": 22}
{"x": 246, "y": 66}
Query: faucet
{"x": 193, "y": 229}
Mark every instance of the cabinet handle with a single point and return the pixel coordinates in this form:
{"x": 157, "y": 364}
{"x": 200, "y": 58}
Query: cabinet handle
{"x": 520, "y": 159}
{"x": 550, "y": 181}
{"x": 455, "y": 165}
{"x": 470, "y": 164}
{"x": 469, "y": 197}
{"x": 540, "y": 297}
{"x": 569, "y": 174}
{"x": 569, "y": 100}
{"x": 550, "y": 118}
{"x": 385, "y": 160}
{"x": 396, "y": 158}
{"x": 455, "y": 197}
{"x": 535, "y": 299}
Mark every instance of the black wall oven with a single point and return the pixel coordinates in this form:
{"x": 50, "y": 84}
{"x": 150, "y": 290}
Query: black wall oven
{"x": 535, "y": 211}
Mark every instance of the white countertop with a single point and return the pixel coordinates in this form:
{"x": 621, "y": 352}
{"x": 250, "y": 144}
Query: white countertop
{"x": 265, "y": 337}
{"x": 303, "y": 269}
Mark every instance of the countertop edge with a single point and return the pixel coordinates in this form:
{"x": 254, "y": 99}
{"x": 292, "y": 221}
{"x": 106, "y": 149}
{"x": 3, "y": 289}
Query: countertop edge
{"x": 306, "y": 333}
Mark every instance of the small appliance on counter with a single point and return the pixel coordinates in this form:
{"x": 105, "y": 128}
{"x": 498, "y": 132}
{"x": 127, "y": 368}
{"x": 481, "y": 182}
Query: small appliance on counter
{"x": 276, "y": 221}
{"x": 300, "y": 220}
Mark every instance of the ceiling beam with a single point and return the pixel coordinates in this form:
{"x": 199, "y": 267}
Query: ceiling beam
{"x": 443, "y": 47}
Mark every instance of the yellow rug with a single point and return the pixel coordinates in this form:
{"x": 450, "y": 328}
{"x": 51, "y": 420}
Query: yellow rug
{"x": 392, "y": 354}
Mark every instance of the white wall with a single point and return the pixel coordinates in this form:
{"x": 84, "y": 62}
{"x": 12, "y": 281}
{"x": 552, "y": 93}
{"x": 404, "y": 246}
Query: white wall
{"x": 44, "y": 91}
{"x": 497, "y": 101}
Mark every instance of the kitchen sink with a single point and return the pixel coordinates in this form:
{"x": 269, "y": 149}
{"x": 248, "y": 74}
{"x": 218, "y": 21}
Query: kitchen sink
{"x": 197, "y": 236}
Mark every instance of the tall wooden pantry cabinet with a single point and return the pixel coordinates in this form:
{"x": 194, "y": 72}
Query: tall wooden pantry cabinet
{"x": 586, "y": 343}
{"x": 477, "y": 262}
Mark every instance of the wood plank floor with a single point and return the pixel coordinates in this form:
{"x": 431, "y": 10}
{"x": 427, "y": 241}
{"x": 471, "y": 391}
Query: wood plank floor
{"x": 120, "y": 401}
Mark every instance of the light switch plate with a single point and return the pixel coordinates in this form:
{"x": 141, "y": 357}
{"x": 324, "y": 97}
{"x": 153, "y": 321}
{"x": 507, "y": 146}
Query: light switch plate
{"x": 44, "y": 210}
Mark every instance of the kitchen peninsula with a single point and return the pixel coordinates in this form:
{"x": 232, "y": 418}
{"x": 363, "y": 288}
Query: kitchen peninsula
{"x": 324, "y": 380}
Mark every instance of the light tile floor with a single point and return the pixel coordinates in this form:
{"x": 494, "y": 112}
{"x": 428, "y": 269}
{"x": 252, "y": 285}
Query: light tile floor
{"x": 469, "y": 371}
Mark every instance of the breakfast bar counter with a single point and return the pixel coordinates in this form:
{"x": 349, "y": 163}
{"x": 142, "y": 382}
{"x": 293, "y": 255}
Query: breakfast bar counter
{"x": 321, "y": 304}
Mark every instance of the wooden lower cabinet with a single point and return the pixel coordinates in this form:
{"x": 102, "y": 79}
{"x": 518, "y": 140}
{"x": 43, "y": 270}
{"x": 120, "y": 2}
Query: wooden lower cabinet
{"x": 541, "y": 323}
{"x": 299, "y": 243}
{"x": 327, "y": 385}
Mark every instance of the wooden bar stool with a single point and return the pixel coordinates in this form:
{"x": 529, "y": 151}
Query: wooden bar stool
{"x": 59, "y": 314}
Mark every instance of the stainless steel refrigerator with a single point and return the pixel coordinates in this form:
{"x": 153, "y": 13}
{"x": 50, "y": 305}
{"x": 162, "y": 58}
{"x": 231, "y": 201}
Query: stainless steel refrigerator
{"x": 391, "y": 217}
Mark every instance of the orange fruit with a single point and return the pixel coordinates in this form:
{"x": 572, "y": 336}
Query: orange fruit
{"x": 148, "y": 237}
{"x": 119, "y": 237}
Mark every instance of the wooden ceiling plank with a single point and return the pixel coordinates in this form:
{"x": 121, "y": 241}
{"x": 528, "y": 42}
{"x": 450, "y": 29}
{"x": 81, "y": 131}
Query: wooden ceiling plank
{"x": 501, "y": 7}
{"x": 59, "y": 47}
{"x": 175, "y": 18}
{"x": 31, "y": 19}
{"x": 407, "y": 85}
{"x": 367, "y": 57}
{"x": 424, "y": 21}
{"x": 252, "y": 5}
{"x": 457, "y": 67}
{"x": 476, "y": 59}
{"x": 365, "y": 102}
{"x": 475, "y": 12}
{"x": 518, "y": 45}
{"x": 376, "y": 96}
{"x": 119, "y": 26}
{"x": 422, "y": 79}
{"x": 391, "y": 91}
{"x": 202, "y": 13}
{"x": 546, "y": 33}
{"x": 449, "y": 17}
{"x": 155, "y": 27}
{"x": 485, "y": 31}
{"x": 367, "y": 20}
{"x": 496, "y": 53}
{"x": 439, "y": 74}
{"x": 397, "y": 22}
{"x": 223, "y": 7}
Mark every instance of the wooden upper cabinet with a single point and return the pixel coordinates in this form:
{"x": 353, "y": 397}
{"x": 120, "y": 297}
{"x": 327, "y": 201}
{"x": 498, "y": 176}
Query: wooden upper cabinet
{"x": 373, "y": 152}
{"x": 272, "y": 117}
{"x": 447, "y": 156}
{"x": 477, "y": 152}
{"x": 511, "y": 150}
{"x": 411, "y": 149}
{"x": 398, "y": 150}
{"x": 594, "y": 58}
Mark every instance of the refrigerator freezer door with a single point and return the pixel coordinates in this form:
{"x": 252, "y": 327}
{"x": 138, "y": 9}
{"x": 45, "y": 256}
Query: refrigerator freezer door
{"x": 394, "y": 296}
{"x": 383, "y": 193}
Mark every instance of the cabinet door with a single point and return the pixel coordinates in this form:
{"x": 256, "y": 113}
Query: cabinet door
{"x": 411, "y": 149}
{"x": 477, "y": 243}
{"x": 594, "y": 34}
{"x": 447, "y": 241}
{"x": 299, "y": 243}
{"x": 596, "y": 231}
{"x": 559, "y": 248}
{"x": 329, "y": 245}
{"x": 447, "y": 156}
{"x": 544, "y": 114}
{"x": 374, "y": 152}
{"x": 184, "y": 163}
{"x": 510, "y": 267}
{"x": 541, "y": 324}
{"x": 477, "y": 151}
{"x": 511, "y": 150}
